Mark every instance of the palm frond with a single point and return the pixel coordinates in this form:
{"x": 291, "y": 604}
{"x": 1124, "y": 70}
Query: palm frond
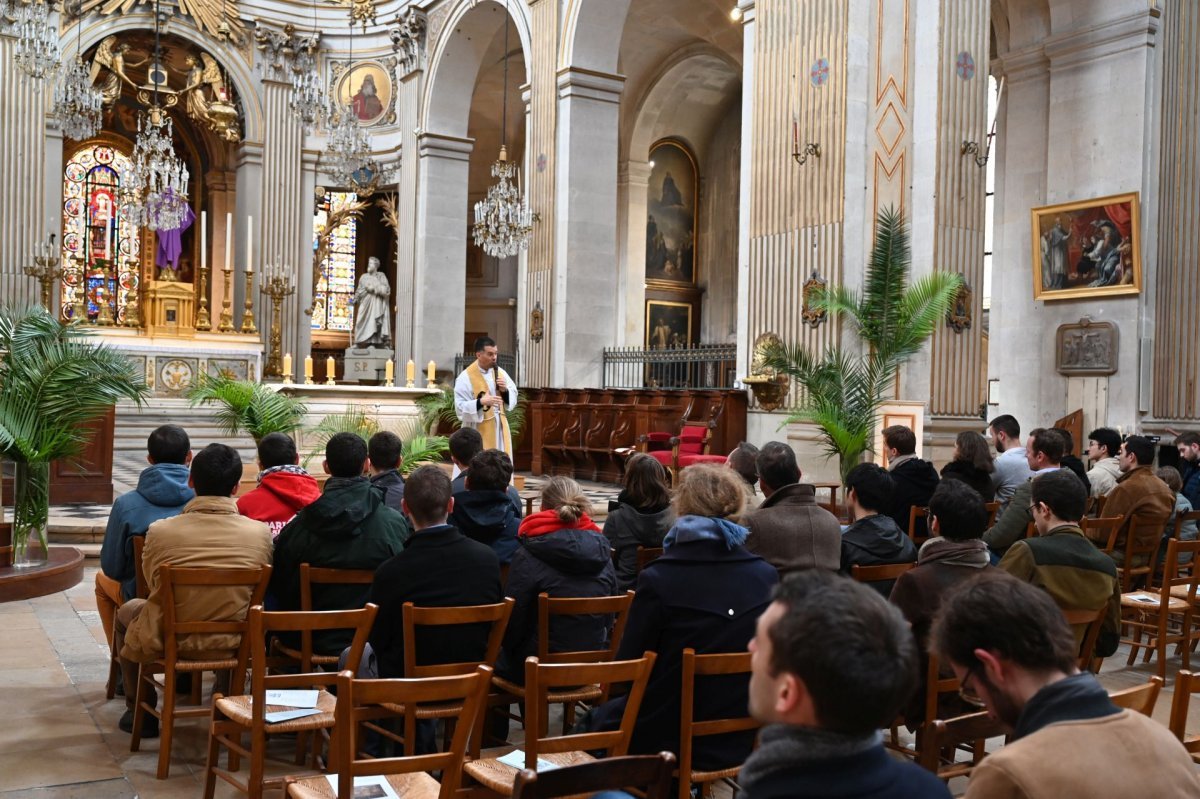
{"x": 247, "y": 407}
{"x": 354, "y": 419}
{"x": 422, "y": 449}
{"x": 886, "y": 277}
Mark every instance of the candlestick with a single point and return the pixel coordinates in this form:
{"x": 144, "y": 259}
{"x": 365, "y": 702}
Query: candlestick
{"x": 105, "y": 316}
{"x": 287, "y": 369}
{"x": 330, "y": 371}
{"x": 279, "y": 282}
{"x": 45, "y": 269}
{"x": 249, "y": 245}
{"x": 203, "y": 239}
{"x": 133, "y": 303}
{"x": 248, "y": 325}
{"x": 431, "y": 369}
{"x": 389, "y": 373}
{"x": 410, "y": 373}
{"x": 226, "y": 323}
{"x": 228, "y": 241}
{"x": 308, "y": 370}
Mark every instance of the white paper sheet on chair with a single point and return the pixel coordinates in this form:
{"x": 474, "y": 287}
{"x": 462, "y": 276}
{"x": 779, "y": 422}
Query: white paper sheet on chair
{"x": 367, "y": 787}
{"x": 516, "y": 759}
{"x": 287, "y": 715}
{"x": 293, "y": 698}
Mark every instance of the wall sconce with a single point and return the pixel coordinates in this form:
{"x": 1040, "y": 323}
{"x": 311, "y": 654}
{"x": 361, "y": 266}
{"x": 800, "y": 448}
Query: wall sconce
{"x": 801, "y": 155}
{"x": 972, "y": 147}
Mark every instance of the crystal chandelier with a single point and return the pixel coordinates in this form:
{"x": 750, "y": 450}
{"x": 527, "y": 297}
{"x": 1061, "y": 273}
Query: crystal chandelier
{"x": 37, "y": 40}
{"x": 76, "y": 101}
{"x": 349, "y": 151}
{"x": 503, "y": 222}
{"x": 308, "y": 93}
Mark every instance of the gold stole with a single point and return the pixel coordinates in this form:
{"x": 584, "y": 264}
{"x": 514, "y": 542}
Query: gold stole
{"x": 487, "y": 428}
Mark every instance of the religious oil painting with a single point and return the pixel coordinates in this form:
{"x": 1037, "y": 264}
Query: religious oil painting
{"x": 1087, "y": 249}
{"x": 671, "y": 214}
{"x": 367, "y": 89}
{"x": 668, "y": 324}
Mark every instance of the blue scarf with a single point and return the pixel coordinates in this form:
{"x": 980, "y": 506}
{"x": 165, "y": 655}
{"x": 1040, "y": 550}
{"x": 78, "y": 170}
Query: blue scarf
{"x": 706, "y": 528}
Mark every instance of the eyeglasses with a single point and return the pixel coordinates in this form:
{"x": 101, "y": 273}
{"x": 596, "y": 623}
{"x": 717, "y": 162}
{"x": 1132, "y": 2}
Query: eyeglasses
{"x": 965, "y": 692}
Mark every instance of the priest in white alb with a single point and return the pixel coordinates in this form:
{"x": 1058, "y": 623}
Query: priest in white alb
{"x": 483, "y": 395}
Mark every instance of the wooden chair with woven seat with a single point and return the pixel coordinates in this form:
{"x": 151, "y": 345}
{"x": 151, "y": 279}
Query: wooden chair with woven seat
{"x": 1140, "y": 698}
{"x": 566, "y": 750}
{"x": 311, "y": 576}
{"x": 360, "y": 702}
{"x": 993, "y": 510}
{"x": 646, "y": 556}
{"x": 174, "y": 629}
{"x": 690, "y": 728}
{"x": 1140, "y": 555}
{"x": 1186, "y": 684}
{"x": 650, "y": 775}
{"x": 915, "y": 515}
{"x": 234, "y": 716}
{"x": 945, "y": 737}
{"x": 1101, "y": 529}
{"x": 141, "y": 592}
{"x": 879, "y": 574}
{"x": 1150, "y": 612}
{"x": 1091, "y": 621}
{"x": 617, "y": 606}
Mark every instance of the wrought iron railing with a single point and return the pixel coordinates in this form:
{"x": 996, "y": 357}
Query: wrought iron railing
{"x": 506, "y": 360}
{"x": 699, "y": 366}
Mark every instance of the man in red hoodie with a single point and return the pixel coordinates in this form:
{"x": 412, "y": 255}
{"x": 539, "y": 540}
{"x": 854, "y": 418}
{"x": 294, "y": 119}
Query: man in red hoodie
{"x": 283, "y": 486}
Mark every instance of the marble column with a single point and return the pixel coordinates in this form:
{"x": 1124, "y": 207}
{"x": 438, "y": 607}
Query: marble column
{"x": 222, "y": 199}
{"x": 632, "y": 198}
{"x": 304, "y": 267}
{"x": 25, "y": 205}
{"x": 583, "y": 320}
{"x": 745, "y": 183}
{"x": 252, "y": 190}
{"x": 440, "y": 292}
{"x": 408, "y": 97}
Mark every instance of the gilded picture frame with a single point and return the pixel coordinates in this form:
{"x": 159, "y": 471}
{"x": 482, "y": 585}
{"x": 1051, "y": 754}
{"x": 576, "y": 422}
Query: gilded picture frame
{"x": 668, "y": 324}
{"x": 371, "y": 108}
{"x": 1090, "y": 248}
{"x": 672, "y": 216}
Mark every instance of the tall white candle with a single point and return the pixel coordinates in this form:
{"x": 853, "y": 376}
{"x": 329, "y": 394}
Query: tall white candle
{"x": 108, "y": 237}
{"x": 204, "y": 238}
{"x": 228, "y": 240}
{"x": 249, "y": 245}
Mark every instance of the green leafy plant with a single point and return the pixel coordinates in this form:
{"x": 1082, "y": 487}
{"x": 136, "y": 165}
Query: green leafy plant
{"x": 437, "y": 411}
{"x": 419, "y": 447}
{"x": 842, "y": 392}
{"x": 54, "y": 380}
{"x": 244, "y": 406}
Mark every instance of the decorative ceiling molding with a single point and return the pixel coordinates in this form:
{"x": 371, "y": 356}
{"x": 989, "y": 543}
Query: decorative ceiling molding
{"x": 408, "y": 39}
{"x": 215, "y": 17}
{"x": 280, "y": 48}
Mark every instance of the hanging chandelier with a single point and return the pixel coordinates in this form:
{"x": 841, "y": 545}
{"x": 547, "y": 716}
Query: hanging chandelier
{"x": 37, "y": 52}
{"x": 348, "y": 155}
{"x": 154, "y": 194}
{"x": 76, "y": 102}
{"x": 308, "y": 93}
{"x": 503, "y": 222}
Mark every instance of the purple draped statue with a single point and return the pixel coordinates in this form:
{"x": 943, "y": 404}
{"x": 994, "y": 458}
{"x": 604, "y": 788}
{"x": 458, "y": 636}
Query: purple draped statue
{"x": 170, "y": 242}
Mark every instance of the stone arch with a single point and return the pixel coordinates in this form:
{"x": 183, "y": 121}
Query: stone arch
{"x": 1020, "y": 23}
{"x": 592, "y": 31}
{"x": 455, "y": 63}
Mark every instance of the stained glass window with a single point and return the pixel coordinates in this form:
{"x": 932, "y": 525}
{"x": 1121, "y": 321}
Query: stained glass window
{"x": 333, "y": 305}
{"x": 96, "y": 235}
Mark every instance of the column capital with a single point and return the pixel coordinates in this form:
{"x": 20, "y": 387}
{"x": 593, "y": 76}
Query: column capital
{"x": 251, "y": 152}
{"x": 634, "y": 173}
{"x": 408, "y": 40}
{"x": 591, "y": 85}
{"x": 1131, "y": 32}
{"x": 280, "y": 48}
{"x": 436, "y": 145}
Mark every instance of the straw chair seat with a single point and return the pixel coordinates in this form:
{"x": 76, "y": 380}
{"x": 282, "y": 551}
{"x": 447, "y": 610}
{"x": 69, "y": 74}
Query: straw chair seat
{"x": 238, "y": 709}
{"x": 1181, "y": 592}
{"x": 496, "y": 776}
{"x": 433, "y": 710}
{"x": 1174, "y": 604}
{"x": 584, "y": 693}
{"x": 711, "y": 776}
{"x": 221, "y": 664}
{"x": 411, "y": 786}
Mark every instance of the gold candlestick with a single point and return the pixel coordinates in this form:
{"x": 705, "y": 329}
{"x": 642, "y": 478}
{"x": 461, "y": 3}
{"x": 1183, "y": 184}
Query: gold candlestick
{"x": 79, "y": 306}
{"x": 105, "y": 317}
{"x": 279, "y": 281}
{"x": 45, "y": 269}
{"x": 133, "y": 314}
{"x": 248, "y": 325}
{"x": 226, "y": 323}
{"x": 203, "y": 321}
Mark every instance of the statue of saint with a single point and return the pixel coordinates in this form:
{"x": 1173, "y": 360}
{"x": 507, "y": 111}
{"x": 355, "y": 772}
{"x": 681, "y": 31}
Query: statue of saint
{"x": 372, "y": 325}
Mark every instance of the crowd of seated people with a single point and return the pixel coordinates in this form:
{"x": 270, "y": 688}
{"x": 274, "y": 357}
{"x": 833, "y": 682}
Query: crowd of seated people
{"x": 833, "y": 661}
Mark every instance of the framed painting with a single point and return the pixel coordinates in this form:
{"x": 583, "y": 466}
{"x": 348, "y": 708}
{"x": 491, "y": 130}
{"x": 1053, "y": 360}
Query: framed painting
{"x": 672, "y": 203}
{"x": 668, "y": 324}
{"x": 1087, "y": 249}
{"x": 367, "y": 89}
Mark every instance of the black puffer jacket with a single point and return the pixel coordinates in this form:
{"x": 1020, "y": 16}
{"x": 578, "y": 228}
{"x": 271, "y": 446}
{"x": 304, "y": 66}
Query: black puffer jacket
{"x": 627, "y": 528}
{"x": 488, "y": 517}
{"x": 561, "y": 563}
{"x": 914, "y": 481}
{"x": 973, "y": 476}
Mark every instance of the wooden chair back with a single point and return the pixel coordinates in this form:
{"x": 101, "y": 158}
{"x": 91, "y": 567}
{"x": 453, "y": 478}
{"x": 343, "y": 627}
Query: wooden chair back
{"x": 313, "y": 576}
{"x": 1102, "y": 530}
{"x": 650, "y": 774}
{"x": 413, "y": 617}
{"x": 1140, "y": 698}
{"x": 914, "y": 515}
{"x": 1142, "y": 542}
{"x": 1180, "y": 520}
{"x": 993, "y": 509}
{"x": 937, "y": 684}
{"x": 1186, "y": 684}
{"x": 616, "y": 606}
{"x": 647, "y": 555}
{"x": 875, "y": 574}
{"x": 948, "y": 734}
{"x": 1031, "y": 530}
{"x": 1100, "y": 503}
{"x": 542, "y": 679}
{"x": 689, "y": 728}
{"x": 139, "y": 546}
{"x": 359, "y": 701}
{"x": 1094, "y": 620}
{"x": 173, "y": 579}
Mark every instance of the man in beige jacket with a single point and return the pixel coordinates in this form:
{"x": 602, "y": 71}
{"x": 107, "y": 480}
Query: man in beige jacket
{"x": 1009, "y": 644}
{"x": 209, "y": 533}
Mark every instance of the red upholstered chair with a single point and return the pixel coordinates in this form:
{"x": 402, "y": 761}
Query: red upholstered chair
{"x": 687, "y": 449}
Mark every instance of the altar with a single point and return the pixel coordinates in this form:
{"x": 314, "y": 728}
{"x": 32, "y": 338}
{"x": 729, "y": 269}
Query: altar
{"x": 171, "y": 365}
{"x": 394, "y": 408}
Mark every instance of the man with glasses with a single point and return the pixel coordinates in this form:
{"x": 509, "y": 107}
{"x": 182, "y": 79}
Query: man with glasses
{"x": 1061, "y": 561}
{"x": 1009, "y": 645}
{"x": 1044, "y": 451}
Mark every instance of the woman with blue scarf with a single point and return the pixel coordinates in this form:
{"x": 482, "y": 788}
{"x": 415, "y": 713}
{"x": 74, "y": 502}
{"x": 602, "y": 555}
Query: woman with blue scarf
{"x": 706, "y": 592}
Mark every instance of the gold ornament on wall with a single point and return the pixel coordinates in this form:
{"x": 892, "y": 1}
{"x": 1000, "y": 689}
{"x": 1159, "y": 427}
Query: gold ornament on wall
{"x": 537, "y": 323}
{"x": 207, "y": 14}
{"x": 809, "y": 313}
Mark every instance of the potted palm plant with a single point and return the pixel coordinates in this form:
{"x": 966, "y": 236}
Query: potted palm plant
{"x": 244, "y": 406}
{"x": 842, "y": 392}
{"x": 54, "y": 380}
{"x": 419, "y": 447}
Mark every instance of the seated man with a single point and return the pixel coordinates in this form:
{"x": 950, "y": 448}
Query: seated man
{"x": 1138, "y": 493}
{"x": 1012, "y": 468}
{"x": 484, "y": 511}
{"x": 873, "y": 539}
{"x": 831, "y": 664}
{"x": 349, "y": 527}
{"x": 439, "y": 567}
{"x": 957, "y": 518}
{"x": 1044, "y": 451}
{"x": 913, "y": 479}
{"x": 790, "y": 530}
{"x": 209, "y": 533}
{"x": 1070, "y": 461}
{"x": 385, "y": 451}
{"x": 162, "y": 491}
{"x": 284, "y": 487}
{"x": 1009, "y": 644}
{"x": 742, "y": 460}
{"x": 1062, "y": 562}
{"x": 1103, "y": 445}
{"x": 465, "y": 444}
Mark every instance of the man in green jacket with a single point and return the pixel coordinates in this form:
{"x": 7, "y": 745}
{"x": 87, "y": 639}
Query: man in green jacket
{"x": 1044, "y": 452}
{"x": 348, "y": 527}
